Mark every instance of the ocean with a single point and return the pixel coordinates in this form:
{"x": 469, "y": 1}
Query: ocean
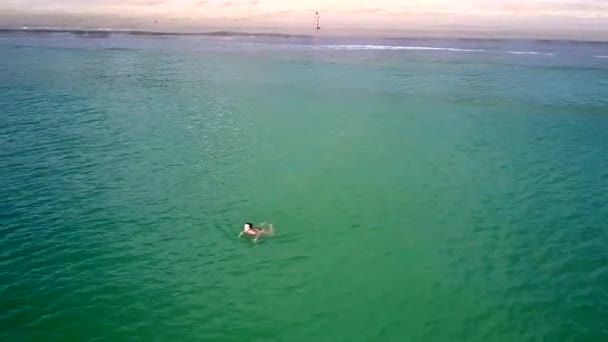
{"x": 420, "y": 189}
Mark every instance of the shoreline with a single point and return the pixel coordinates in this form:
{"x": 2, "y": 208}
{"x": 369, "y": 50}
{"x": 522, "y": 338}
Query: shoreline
{"x": 134, "y": 32}
{"x": 105, "y": 32}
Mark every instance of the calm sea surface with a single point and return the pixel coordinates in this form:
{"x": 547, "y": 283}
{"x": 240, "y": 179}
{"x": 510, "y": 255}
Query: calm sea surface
{"x": 421, "y": 190}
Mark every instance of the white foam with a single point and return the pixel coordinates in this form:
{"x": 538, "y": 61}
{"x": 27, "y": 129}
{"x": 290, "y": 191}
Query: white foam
{"x": 600, "y": 56}
{"x": 392, "y": 47}
{"x": 531, "y": 53}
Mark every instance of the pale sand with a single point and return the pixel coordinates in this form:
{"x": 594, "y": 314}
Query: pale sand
{"x": 302, "y": 22}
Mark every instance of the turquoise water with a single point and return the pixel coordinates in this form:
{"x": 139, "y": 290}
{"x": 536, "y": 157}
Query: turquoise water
{"x": 458, "y": 193}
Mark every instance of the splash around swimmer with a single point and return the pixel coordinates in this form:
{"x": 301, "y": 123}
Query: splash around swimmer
{"x": 264, "y": 229}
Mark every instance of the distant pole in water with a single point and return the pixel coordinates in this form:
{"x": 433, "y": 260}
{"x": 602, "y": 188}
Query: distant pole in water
{"x": 317, "y": 18}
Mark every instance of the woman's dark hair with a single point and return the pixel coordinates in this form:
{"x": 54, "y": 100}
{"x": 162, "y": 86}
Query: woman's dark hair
{"x": 249, "y": 224}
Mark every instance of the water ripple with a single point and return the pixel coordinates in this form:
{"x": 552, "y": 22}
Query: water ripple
{"x": 416, "y": 195}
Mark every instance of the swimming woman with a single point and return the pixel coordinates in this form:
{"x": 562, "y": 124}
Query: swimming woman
{"x": 256, "y": 232}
